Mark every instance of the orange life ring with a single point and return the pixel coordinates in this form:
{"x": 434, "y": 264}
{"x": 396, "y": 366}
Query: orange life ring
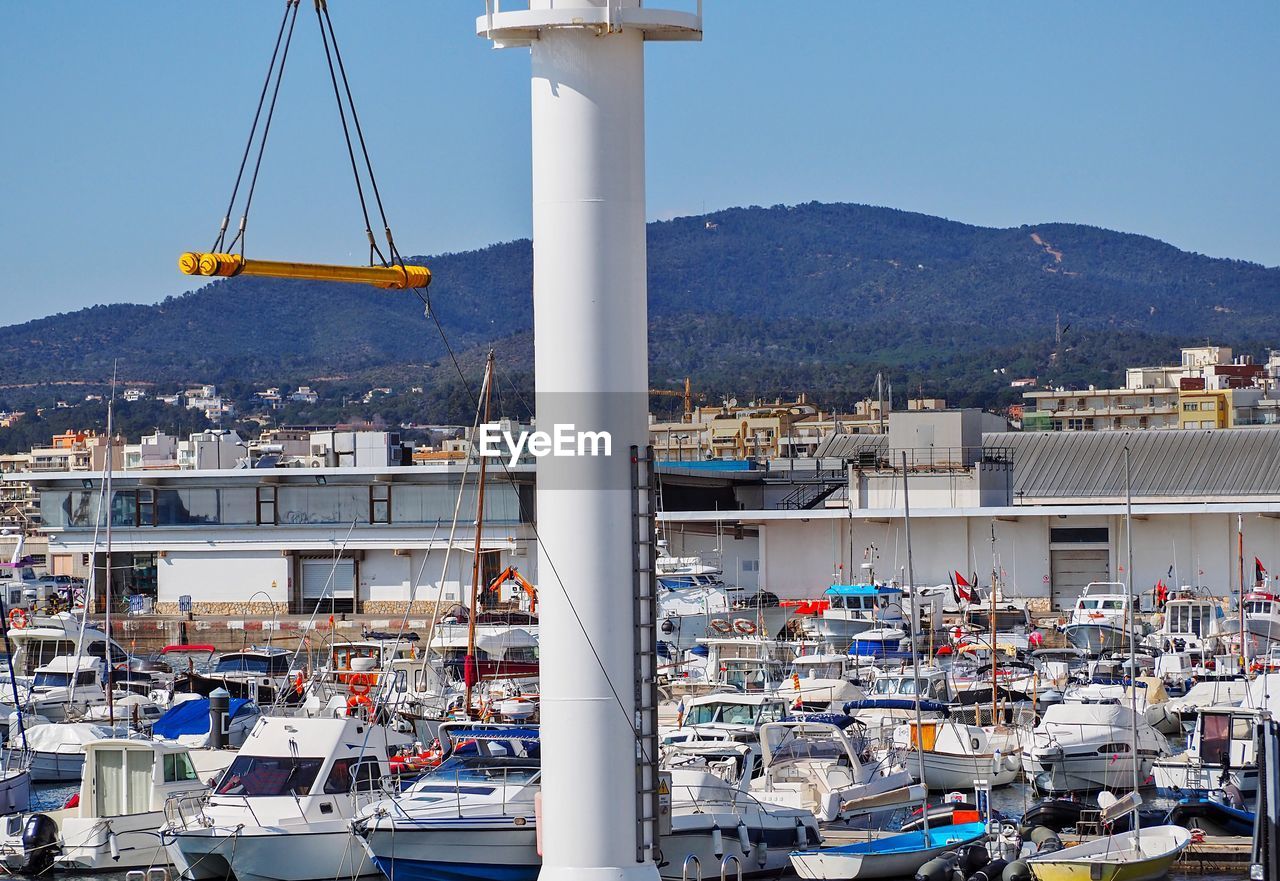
{"x": 719, "y": 625}
{"x": 358, "y": 684}
{"x": 743, "y": 626}
{"x": 18, "y": 618}
{"x": 356, "y": 701}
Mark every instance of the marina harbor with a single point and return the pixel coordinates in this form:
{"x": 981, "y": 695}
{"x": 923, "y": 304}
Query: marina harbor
{"x": 598, "y": 545}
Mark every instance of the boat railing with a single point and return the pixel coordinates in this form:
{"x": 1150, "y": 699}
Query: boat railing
{"x": 154, "y": 873}
{"x": 724, "y": 866}
{"x": 697, "y": 868}
{"x": 186, "y": 809}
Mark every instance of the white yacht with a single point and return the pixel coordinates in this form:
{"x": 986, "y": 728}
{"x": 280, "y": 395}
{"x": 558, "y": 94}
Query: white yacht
{"x": 285, "y": 802}
{"x": 725, "y": 714}
{"x": 1080, "y": 747}
{"x": 1190, "y": 623}
{"x": 815, "y": 766}
{"x": 55, "y": 751}
{"x": 1262, "y": 621}
{"x": 65, "y": 687}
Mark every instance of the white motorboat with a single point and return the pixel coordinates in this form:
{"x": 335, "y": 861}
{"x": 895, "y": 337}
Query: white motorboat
{"x": 725, "y": 714}
{"x": 1262, "y": 621}
{"x": 1098, "y": 620}
{"x": 1221, "y": 753}
{"x": 122, "y": 798}
{"x": 815, "y": 766}
{"x": 1087, "y": 747}
{"x": 66, "y": 687}
{"x": 259, "y": 674}
{"x": 285, "y": 802}
{"x": 1189, "y": 623}
{"x": 55, "y": 751}
{"x": 817, "y": 684}
{"x": 954, "y": 755}
{"x": 473, "y": 817}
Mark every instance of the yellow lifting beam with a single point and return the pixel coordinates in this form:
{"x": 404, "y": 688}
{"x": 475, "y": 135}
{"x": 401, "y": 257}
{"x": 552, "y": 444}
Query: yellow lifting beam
{"x": 397, "y": 277}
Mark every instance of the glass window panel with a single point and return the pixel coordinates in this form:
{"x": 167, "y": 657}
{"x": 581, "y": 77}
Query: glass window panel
{"x": 185, "y": 507}
{"x": 238, "y": 505}
{"x": 108, "y": 778}
{"x": 323, "y": 504}
{"x": 140, "y": 763}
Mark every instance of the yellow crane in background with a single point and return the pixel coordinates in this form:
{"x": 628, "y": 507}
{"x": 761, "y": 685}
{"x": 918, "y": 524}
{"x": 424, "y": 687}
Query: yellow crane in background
{"x": 687, "y": 396}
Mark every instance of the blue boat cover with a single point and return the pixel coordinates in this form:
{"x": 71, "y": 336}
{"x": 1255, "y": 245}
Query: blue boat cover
{"x": 907, "y": 842}
{"x": 895, "y": 703}
{"x": 493, "y": 734}
{"x": 860, "y": 590}
{"x": 190, "y": 717}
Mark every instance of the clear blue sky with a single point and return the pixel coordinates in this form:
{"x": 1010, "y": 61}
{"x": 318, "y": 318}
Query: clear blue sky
{"x": 124, "y": 122}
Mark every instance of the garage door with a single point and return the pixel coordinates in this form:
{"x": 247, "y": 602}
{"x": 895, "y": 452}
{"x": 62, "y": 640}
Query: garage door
{"x": 316, "y": 581}
{"x": 1072, "y": 570}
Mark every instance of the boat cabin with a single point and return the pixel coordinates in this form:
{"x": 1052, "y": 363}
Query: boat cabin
{"x": 934, "y": 685}
{"x": 739, "y": 711}
{"x": 1103, "y": 602}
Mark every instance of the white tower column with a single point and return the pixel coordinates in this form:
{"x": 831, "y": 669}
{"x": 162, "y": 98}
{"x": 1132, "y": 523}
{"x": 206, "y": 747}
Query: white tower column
{"x": 591, "y": 363}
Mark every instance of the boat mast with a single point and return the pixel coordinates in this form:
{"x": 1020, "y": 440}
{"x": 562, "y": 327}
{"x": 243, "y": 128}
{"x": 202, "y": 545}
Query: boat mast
{"x": 914, "y": 618}
{"x": 1244, "y": 636}
{"x": 991, "y": 628}
{"x": 1133, "y": 648}
{"x": 106, "y": 651}
{"x": 470, "y": 670}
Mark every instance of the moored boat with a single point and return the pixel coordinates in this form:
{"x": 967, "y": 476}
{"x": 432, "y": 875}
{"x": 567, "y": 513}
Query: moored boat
{"x": 894, "y": 856}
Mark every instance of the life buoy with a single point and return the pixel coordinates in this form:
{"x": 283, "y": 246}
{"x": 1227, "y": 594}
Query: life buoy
{"x": 18, "y": 618}
{"x": 358, "y": 703}
{"x": 719, "y": 625}
{"x": 743, "y": 626}
{"x": 359, "y": 683}
{"x": 300, "y": 683}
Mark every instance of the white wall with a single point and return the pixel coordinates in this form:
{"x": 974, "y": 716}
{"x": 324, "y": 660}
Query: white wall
{"x": 799, "y": 559}
{"x": 219, "y": 577}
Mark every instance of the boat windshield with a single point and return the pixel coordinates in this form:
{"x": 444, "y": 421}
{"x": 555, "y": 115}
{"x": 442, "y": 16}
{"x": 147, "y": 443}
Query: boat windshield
{"x": 732, "y": 714}
{"x": 50, "y": 679}
{"x": 269, "y": 775}
{"x": 247, "y": 664}
{"x": 479, "y": 770}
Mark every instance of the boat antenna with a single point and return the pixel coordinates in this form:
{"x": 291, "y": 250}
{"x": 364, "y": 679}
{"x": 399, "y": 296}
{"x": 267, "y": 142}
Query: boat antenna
{"x": 1133, "y": 648}
{"x": 914, "y": 618}
{"x": 1244, "y": 638}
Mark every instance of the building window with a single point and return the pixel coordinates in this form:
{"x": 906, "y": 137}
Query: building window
{"x": 380, "y": 503}
{"x": 266, "y": 505}
{"x": 1074, "y": 534}
{"x": 1209, "y": 405}
{"x": 1190, "y": 407}
{"x": 1075, "y": 425}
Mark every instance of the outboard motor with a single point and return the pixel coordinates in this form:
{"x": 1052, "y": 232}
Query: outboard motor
{"x": 39, "y": 843}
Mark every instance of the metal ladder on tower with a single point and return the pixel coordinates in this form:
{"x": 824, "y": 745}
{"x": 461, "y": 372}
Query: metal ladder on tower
{"x": 645, "y": 597}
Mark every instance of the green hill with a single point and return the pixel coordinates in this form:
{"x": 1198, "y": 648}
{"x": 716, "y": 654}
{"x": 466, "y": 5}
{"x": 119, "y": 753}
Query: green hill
{"x": 747, "y": 301}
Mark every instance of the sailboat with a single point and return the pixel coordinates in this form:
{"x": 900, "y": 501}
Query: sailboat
{"x": 1137, "y": 855}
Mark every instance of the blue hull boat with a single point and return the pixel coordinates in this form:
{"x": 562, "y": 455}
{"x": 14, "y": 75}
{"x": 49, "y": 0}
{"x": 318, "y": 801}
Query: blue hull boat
{"x": 896, "y": 856}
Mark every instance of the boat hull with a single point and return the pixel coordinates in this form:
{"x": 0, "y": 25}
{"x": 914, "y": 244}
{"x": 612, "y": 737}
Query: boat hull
{"x": 1096, "y": 638}
{"x": 454, "y": 849}
{"x": 949, "y": 771}
{"x": 15, "y": 791}
{"x": 47, "y": 767}
{"x": 1177, "y": 777}
{"x": 896, "y": 856}
{"x": 1058, "y": 771}
{"x": 86, "y": 843}
{"x": 271, "y": 853}
{"x": 1114, "y": 858}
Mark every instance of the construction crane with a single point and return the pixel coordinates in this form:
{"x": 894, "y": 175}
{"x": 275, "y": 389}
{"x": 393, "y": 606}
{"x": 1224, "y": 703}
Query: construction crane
{"x": 513, "y": 574}
{"x": 687, "y": 396}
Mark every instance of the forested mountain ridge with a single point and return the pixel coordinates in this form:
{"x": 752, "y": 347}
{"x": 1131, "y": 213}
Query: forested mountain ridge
{"x": 747, "y": 301}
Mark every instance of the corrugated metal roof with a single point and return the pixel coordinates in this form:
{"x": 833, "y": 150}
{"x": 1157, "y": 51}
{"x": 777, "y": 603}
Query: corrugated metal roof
{"x": 1164, "y": 462}
{"x": 847, "y": 446}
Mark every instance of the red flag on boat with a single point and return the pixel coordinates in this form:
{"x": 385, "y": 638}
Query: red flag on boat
{"x": 1259, "y": 571}
{"x": 964, "y": 590}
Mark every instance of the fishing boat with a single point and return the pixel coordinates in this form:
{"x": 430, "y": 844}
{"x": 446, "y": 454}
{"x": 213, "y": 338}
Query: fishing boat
{"x": 1146, "y": 854}
{"x": 1222, "y": 753}
{"x": 1262, "y": 620}
{"x": 1098, "y": 620}
{"x": 894, "y": 856}
{"x": 877, "y": 642}
{"x": 121, "y": 802}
